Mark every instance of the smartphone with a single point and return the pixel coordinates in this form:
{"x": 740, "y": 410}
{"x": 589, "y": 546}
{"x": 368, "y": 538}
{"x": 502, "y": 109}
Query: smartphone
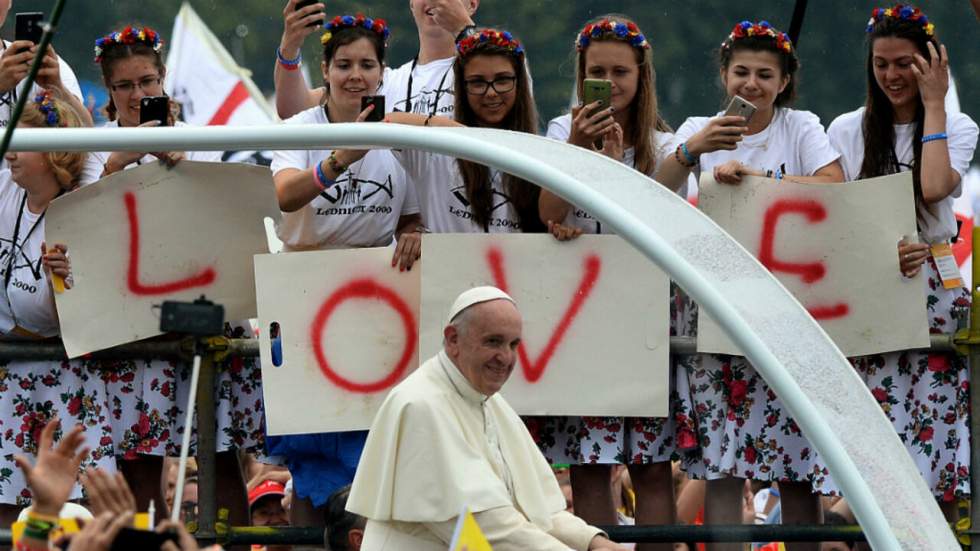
{"x": 378, "y": 113}
{"x": 131, "y": 538}
{"x": 594, "y": 89}
{"x": 155, "y": 108}
{"x": 740, "y": 107}
{"x": 302, "y": 4}
{"x": 28, "y": 26}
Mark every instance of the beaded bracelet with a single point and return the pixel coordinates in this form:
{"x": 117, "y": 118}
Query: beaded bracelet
{"x": 689, "y": 161}
{"x": 335, "y": 165}
{"x": 321, "y": 178}
{"x": 289, "y": 64}
{"x": 934, "y": 137}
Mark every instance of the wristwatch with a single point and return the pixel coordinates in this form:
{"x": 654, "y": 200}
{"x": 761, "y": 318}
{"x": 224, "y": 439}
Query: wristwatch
{"x": 467, "y": 32}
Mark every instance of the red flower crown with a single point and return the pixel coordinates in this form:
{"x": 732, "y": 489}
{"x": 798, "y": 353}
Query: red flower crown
{"x": 627, "y": 32}
{"x": 902, "y": 12}
{"x": 746, "y": 29}
{"x": 501, "y": 39}
{"x": 130, "y": 35}
{"x": 379, "y": 26}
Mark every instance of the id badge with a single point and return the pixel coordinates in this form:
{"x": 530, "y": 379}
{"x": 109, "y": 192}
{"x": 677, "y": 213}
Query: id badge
{"x": 949, "y": 272}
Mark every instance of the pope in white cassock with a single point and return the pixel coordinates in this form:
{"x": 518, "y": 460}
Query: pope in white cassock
{"x": 444, "y": 439}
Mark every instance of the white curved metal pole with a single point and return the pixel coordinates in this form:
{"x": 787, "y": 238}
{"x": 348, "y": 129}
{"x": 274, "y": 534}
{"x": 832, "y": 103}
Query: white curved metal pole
{"x": 698, "y": 256}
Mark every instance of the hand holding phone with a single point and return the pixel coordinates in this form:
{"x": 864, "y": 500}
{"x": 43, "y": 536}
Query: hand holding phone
{"x": 155, "y": 108}
{"x": 597, "y": 90}
{"x": 378, "y": 113}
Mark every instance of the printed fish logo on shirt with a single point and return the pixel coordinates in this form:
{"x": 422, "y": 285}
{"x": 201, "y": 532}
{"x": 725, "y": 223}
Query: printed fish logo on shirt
{"x": 349, "y": 189}
{"x": 22, "y": 261}
{"x": 500, "y": 199}
{"x": 423, "y": 101}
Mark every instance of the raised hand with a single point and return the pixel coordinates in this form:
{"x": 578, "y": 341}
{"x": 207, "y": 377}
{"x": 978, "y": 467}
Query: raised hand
{"x": 932, "y": 75}
{"x": 53, "y": 475}
{"x": 298, "y": 24}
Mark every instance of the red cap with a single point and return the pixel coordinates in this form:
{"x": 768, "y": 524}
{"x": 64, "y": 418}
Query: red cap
{"x": 267, "y": 488}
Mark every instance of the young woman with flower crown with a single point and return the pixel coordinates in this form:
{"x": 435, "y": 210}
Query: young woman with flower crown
{"x": 612, "y": 47}
{"x": 331, "y": 201}
{"x": 149, "y": 396}
{"x": 34, "y": 392}
{"x": 904, "y": 126}
{"x": 743, "y": 429}
{"x": 492, "y": 90}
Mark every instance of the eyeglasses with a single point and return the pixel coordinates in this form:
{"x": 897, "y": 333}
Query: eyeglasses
{"x": 479, "y": 87}
{"x": 128, "y": 87}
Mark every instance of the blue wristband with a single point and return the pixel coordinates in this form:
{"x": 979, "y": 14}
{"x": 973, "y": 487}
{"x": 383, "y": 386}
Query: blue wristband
{"x": 934, "y": 137}
{"x": 687, "y": 155}
{"x": 289, "y": 62}
{"x": 321, "y": 177}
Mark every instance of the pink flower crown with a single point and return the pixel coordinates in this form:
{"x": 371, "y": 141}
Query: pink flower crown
{"x": 607, "y": 28}
{"x": 129, "y": 35}
{"x": 44, "y": 102}
{"x": 501, "y": 39}
{"x": 902, "y": 12}
{"x": 379, "y": 26}
{"x": 746, "y": 29}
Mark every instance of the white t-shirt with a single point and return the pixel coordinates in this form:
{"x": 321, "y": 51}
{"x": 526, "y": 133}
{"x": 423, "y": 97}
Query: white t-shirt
{"x": 560, "y": 128}
{"x": 9, "y": 98}
{"x": 28, "y": 299}
{"x": 431, "y": 88}
{"x": 937, "y": 223}
{"x": 442, "y": 195}
{"x": 361, "y": 210}
{"x": 96, "y": 160}
{"x": 794, "y": 143}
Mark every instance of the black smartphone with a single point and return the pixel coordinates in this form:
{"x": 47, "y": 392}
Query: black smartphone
{"x": 28, "y": 26}
{"x": 378, "y": 113}
{"x": 132, "y": 538}
{"x": 302, "y": 4}
{"x": 155, "y": 108}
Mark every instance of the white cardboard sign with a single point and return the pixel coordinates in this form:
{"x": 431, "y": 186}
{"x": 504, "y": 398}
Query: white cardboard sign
{"x": 349, "y": 330}
{"x": 596, "y": 319}
{"x": 150, "y": 234}
{"x": 834, "y": 247}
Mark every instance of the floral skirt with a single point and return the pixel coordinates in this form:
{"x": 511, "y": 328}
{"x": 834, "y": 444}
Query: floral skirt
{"x": 630, "y": 440}
{"x": 927, "y": 398}
{"x": 33, "y": 393}
{"x": 128, "y": 408}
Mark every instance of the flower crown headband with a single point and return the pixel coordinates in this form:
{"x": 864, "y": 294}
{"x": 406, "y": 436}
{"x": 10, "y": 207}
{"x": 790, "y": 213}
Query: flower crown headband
{"x": 379, "y": 26}
{"x": 44, "y": 102}
{"x": 129, "y": 36}
{"x": 501, "y": 39}
{"x": 901, "y": 12}
{"x": 746, "y": 29}
{"x": 610, "y": 28}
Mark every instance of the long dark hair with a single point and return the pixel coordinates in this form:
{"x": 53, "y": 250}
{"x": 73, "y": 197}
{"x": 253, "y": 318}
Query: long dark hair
{"x": 115, "y": 51}
{"x": 523, "y": 117}
{"x": 644, "y": 105}
{"x": 878, "y": 127}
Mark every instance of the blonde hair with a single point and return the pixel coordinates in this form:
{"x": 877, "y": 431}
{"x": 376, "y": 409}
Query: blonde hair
{"x": 66, "y": 165}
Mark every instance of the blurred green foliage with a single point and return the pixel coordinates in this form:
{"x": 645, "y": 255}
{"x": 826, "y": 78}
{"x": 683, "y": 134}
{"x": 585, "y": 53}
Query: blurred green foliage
{"x": 685, "y": 35}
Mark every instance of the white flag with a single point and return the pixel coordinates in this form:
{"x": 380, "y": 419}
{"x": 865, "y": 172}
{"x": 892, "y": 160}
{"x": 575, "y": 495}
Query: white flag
{"x": 204, "y": 78}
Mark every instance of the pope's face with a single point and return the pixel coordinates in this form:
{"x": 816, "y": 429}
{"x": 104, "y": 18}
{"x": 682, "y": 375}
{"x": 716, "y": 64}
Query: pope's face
{"x": 484, "y": 347}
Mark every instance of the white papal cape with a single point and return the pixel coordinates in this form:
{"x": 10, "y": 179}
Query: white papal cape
{"x": 436, "y": 446}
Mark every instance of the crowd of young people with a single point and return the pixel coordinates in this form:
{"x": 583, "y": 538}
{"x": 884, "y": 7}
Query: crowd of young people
{"x": 725, "y": 424}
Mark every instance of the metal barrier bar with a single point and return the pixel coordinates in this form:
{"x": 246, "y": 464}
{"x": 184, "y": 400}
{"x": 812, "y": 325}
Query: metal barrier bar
{"x": 285, "y": 535}
{"x": 249, "y": 348}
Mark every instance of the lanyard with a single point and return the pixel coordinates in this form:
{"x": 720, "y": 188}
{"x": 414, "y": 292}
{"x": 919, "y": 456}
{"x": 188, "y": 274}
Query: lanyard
{"x": 411, "y": 78}
{"x": 16, "y": 250}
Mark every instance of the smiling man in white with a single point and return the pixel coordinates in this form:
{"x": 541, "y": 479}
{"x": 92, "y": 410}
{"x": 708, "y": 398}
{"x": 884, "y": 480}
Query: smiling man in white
{"x": 445, "y": 439}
